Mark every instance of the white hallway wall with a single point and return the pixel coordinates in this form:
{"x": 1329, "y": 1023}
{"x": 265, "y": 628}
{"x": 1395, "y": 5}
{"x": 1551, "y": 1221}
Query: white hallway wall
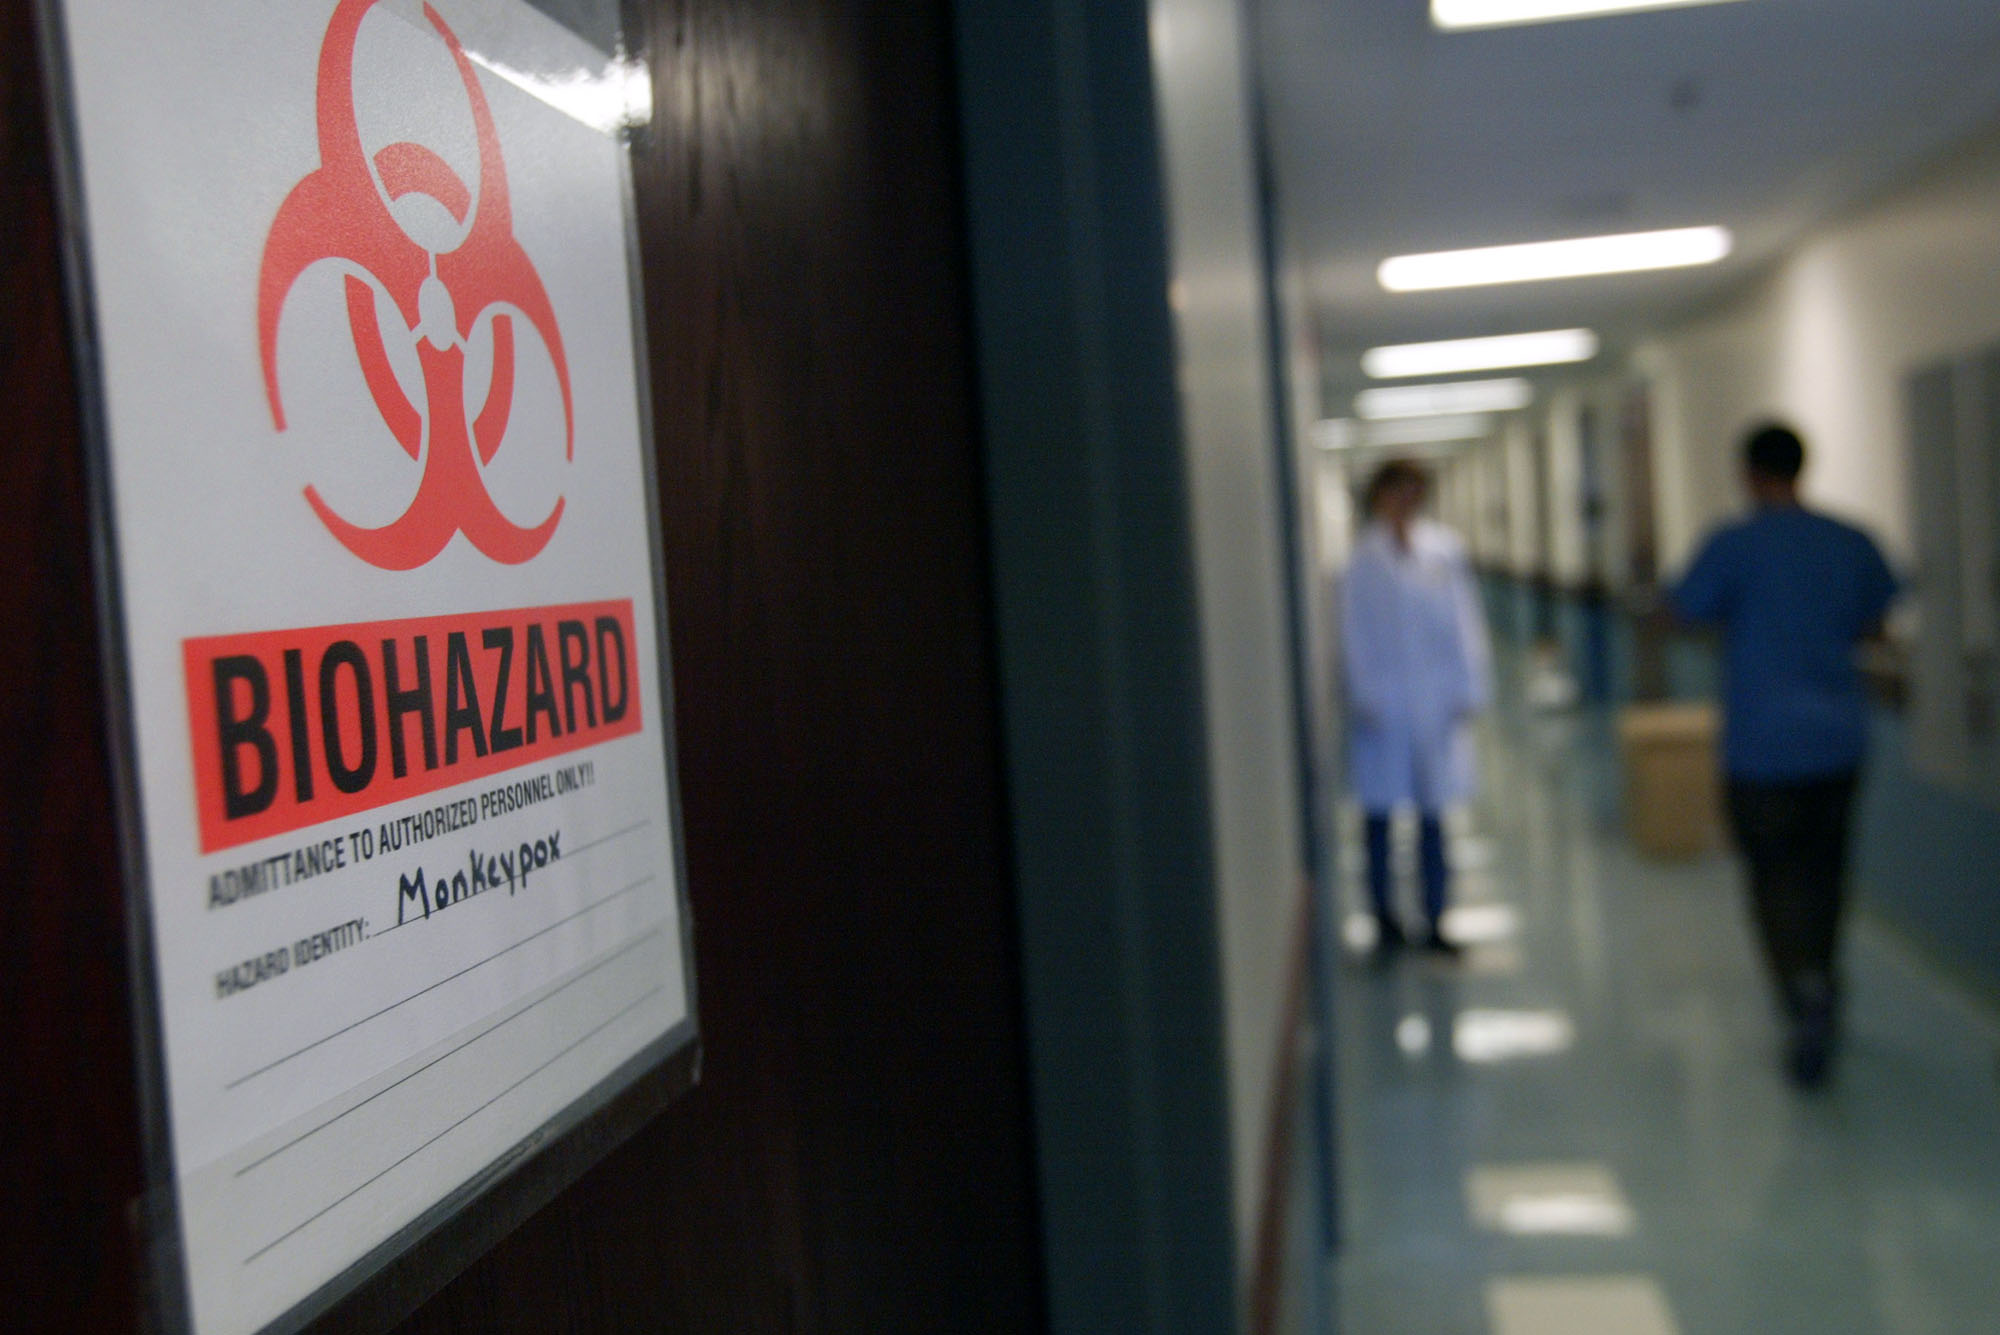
{"x": 1519, "y": 439}
{"x": 1219, "y": 313}
{"x": 1489, "y": 504}
{"x": 1569, "y": 558}
{"x": 1577, "y": 556}
{"x": 1826, "y": 342}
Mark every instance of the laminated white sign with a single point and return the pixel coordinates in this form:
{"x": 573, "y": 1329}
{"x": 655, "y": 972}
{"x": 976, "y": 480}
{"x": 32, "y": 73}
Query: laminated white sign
{"x": 377, "y": 495}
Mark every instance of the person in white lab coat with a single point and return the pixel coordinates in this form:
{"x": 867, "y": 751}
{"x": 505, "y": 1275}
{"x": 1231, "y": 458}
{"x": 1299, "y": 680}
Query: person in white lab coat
{"x": 1415, "y": 650}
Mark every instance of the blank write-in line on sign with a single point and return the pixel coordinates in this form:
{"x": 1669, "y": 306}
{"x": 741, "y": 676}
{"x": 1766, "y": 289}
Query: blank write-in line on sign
{"x": 350, "y": 1194}
{"x": 328, "y": 1038}
{"x": 454, "y": 1050}
{"x": 604, "y": 839}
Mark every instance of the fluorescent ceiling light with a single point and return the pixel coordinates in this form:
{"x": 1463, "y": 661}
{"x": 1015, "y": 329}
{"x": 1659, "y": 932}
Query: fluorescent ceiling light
{"x": 1461, "y": 396}
{"x": 1400, "y": 361}
{"x": 1539, "y": 261}
{"x": 1344, "y": 433}
{"x": 1427, "y": 430}
{"x": 1458, "y": 14}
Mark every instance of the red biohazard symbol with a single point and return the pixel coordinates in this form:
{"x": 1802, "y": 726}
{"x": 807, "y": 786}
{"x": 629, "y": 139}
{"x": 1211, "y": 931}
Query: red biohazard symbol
{"x": 341, "y": 212}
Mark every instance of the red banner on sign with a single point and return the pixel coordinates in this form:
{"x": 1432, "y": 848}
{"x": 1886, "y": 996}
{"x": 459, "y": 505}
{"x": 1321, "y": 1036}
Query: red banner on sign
{"x": 294, "y": 727}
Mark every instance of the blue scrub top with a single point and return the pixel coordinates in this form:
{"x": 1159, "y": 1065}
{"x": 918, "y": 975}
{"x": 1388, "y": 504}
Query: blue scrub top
{"x": 1793, "y": 592}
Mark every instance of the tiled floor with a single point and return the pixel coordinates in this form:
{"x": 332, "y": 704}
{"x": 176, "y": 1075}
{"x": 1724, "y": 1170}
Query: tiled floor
{"x": 1581, "y": 1129}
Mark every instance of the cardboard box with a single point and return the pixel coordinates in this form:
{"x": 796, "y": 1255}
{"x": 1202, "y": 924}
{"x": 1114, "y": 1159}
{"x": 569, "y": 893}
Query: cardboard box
{"x": 1673, "y": 781}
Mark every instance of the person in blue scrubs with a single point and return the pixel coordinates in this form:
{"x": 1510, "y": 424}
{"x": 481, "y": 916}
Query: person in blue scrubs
{"x": 1793, "y": 592}
{"x": 1414, "y": 649}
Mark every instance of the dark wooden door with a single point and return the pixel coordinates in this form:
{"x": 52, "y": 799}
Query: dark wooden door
{"x": 71, "y": 1196}
{"x": 856, "y": 1156}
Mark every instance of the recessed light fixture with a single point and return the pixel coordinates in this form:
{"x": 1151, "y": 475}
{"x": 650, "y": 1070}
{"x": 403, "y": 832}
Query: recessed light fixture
{"x": 1461, "y": 396}
{"x": 1453, "y": 15}
{"x": 1550, "y": 347}
{"x": 1538, "y": 261}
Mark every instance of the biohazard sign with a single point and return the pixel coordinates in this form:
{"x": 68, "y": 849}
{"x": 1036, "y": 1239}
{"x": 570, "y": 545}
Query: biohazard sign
{"x": 377, "y": 497}
{"x": 340, "y": 214}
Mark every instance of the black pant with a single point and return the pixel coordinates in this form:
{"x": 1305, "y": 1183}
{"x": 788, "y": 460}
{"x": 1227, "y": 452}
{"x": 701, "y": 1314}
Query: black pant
{"x": 1435, "y": 872}
{"x": 1794, "y": 836}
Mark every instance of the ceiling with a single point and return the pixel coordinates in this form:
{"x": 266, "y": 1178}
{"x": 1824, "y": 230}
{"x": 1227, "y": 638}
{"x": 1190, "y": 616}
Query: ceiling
{"x": 1766, "y": 116}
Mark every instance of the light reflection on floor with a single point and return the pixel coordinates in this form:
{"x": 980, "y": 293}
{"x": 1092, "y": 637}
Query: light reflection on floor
{"x": 1481, "y": 924}
{"x": 1475, "y": 924}
{"x": 1580, "y": 1305}
{"x": 1482, "y": 1036}
{"x": 1580, "y": 1200}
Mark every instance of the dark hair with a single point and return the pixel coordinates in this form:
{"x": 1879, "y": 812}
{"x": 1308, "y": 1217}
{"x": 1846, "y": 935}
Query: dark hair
{"x": 1774, "y": 450}
{"x": 1395, "y": 473}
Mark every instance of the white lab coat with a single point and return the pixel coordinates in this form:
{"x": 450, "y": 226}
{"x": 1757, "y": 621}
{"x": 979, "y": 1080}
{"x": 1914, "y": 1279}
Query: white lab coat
{"x": 1413, "y": 642}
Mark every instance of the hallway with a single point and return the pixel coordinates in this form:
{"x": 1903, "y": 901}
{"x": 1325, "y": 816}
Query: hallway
{"x": 1582, "y": 1126}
